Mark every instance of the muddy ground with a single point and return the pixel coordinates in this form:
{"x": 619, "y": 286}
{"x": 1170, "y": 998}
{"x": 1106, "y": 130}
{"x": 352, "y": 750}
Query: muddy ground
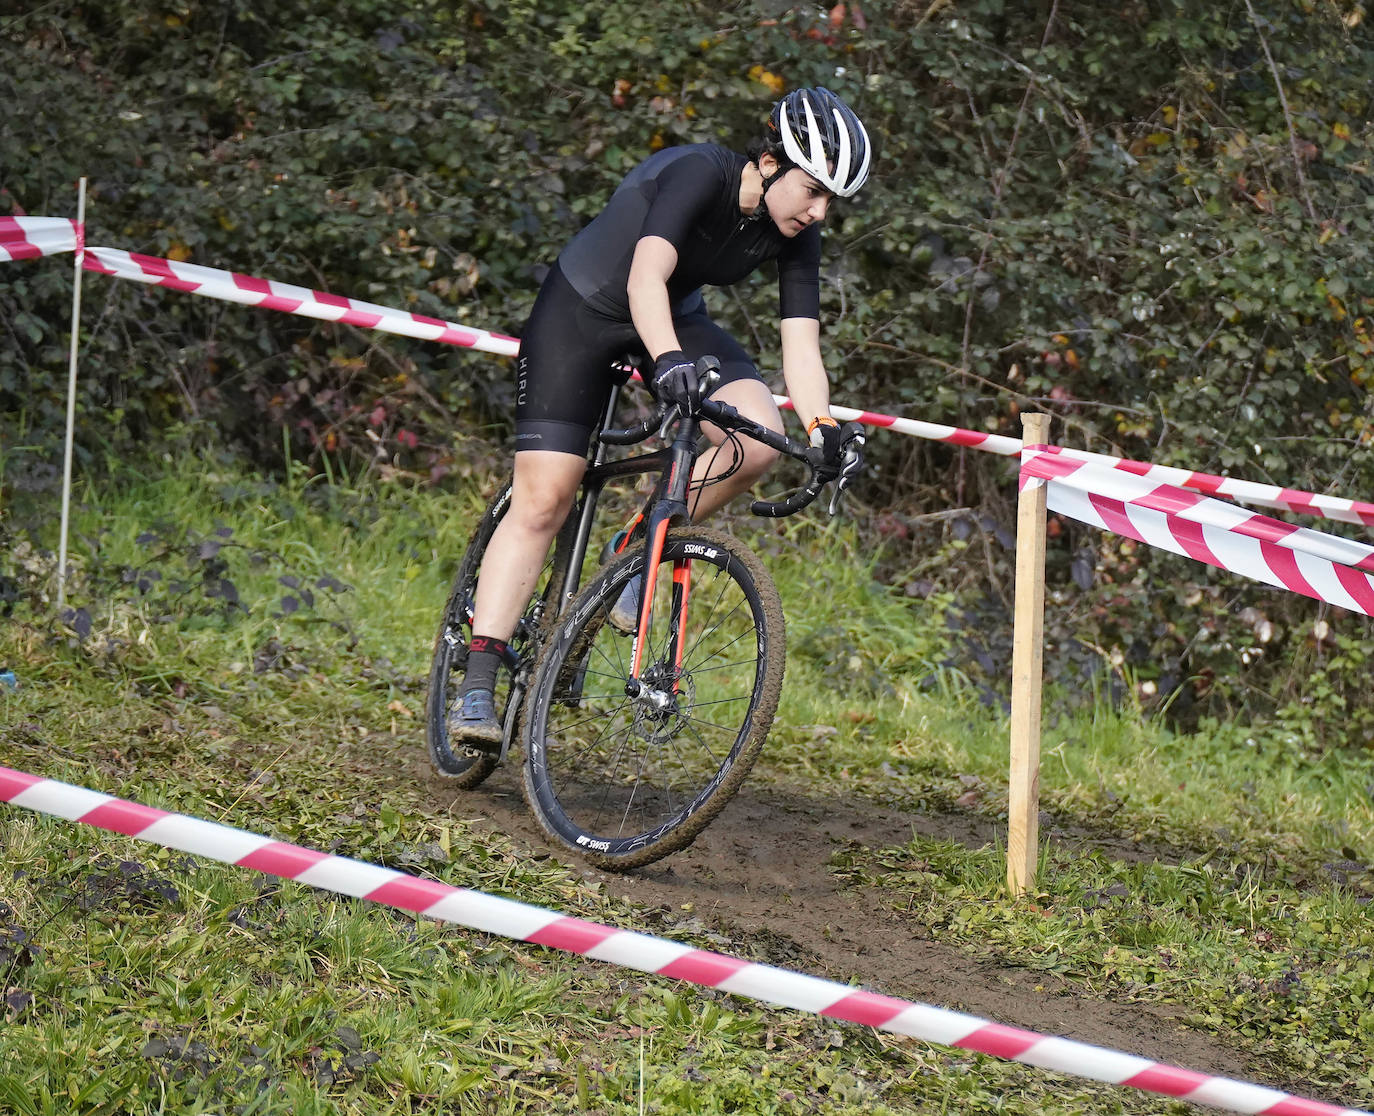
{"x": 760, "y": 873}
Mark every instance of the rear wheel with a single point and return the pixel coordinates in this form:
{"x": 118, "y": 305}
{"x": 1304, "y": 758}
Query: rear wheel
{"x": 625, "y": 770}
{"x": 469, "y": 766}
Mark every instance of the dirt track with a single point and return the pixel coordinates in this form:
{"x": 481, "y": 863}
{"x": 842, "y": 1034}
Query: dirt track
{"x": 760, "y": 870}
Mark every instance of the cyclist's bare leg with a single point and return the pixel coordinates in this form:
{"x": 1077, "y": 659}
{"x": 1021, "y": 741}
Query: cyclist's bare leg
{"x": 541, "y": 497}
{"x": 752, "y": 399}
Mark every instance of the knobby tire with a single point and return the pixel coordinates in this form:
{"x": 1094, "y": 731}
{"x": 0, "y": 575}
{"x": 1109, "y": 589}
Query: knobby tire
{"x": 624, "y": 784}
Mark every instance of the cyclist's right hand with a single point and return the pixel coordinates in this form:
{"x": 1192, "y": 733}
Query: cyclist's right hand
{"x": 676, "y": 380}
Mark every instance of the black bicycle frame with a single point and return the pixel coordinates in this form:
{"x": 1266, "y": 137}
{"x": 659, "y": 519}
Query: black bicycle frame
{"x": 668, "y": 500}
{"x": 666, "y": 506}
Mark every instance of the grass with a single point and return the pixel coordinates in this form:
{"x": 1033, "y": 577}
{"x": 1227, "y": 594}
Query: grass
{"x": 1284, "y": 973}
{"x": 869, "y": 668}
{"x": 137, "y": 980}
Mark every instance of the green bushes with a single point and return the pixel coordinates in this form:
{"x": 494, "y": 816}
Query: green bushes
{"x": 1152, "y": 220}
{"x": 1145, "y": 249}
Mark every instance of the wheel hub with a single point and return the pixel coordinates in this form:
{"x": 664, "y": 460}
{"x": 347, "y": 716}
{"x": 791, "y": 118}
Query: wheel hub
{"x": 660, "y": 700}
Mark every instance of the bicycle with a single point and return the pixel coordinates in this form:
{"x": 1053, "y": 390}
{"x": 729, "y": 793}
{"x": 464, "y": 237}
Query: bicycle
{"x": 633, "y": 745}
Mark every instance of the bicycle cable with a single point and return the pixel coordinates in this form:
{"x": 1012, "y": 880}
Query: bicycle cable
{"x": 732, "y": 438}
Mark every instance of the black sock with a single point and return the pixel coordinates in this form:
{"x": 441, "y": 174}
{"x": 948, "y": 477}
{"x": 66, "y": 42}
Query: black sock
{"x": 484, "y": 657}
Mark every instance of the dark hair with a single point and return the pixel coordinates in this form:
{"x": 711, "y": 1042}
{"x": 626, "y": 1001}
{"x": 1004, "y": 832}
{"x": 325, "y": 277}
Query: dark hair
{"x": 767, "y": 145}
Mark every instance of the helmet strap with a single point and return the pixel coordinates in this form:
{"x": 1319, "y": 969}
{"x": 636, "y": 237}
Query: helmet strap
{"x": 762, "y": 209}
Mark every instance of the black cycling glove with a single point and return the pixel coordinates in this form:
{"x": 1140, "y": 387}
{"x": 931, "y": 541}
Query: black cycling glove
{"x": 675, "y": 379}
{"x": 840, "y": 448}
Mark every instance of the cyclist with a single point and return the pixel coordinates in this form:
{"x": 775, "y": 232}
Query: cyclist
{"x": 630, "y": 281}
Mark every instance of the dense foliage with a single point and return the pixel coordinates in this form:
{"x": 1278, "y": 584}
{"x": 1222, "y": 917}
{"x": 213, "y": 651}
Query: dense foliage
{"x": 1152, "y": 219}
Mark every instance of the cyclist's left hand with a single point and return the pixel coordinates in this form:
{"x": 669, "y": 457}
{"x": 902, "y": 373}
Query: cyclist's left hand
{"x": 841, "y": 450}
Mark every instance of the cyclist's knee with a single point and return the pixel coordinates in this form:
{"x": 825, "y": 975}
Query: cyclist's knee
{"x": 541, "y": 512}
{"x": 545, "y": 487}
{"x": 756, "y": 460}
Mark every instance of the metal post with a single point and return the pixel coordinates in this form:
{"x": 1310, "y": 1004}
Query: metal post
{"x": 71, "y": 394}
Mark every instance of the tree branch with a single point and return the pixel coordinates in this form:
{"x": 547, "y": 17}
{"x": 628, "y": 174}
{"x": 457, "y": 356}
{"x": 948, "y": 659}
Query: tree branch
{"x": 997, "y": 189}
{"x": 1287, "y": 113}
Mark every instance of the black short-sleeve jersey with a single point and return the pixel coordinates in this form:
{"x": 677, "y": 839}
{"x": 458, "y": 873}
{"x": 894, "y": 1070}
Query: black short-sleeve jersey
{"x": 689, "y": 196}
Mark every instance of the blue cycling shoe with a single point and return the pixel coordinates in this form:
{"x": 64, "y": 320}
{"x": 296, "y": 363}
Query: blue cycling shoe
{"x": 624, "y": 615}
{"x": 472, "y": 723}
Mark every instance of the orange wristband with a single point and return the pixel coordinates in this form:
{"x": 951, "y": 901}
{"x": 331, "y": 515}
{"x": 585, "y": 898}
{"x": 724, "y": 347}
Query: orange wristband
{"x": 819, "y": 420}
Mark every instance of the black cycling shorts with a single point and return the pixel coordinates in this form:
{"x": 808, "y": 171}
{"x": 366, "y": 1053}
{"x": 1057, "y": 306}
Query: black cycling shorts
{"x": 564, "y": 367}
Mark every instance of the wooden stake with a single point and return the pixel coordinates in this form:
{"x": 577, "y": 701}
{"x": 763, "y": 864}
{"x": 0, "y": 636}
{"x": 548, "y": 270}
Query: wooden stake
{"x": 1027, "y": 663}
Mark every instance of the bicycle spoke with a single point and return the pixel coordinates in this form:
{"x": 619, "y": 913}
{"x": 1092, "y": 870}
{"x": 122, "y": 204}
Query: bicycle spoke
{"x": 630, "y": 800}
{"x": 629, "y": 773}
{"x": 736, "y": 665}
{"x": 677, "y": 745}
{"x": 701, "y": 722}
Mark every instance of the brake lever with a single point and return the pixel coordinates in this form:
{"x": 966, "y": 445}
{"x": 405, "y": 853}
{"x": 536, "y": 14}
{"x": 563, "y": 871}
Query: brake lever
{"x": 710, "y": 376}
{"x": 848, "y": 469}
{"x": 840, "y": 485}
{"x": 670, "y": 416}
{"x": 834, "y": 507}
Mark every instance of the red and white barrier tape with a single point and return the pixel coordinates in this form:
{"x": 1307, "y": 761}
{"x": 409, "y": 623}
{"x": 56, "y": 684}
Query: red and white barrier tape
{"x": 231, "y": 286}
{"x": 629, "y": 949}
{"x": 1325, "y": 567}
{"x": 1249, "y": 492}
{"x": 27, "y": 238}
{"x": 933, "y": 431}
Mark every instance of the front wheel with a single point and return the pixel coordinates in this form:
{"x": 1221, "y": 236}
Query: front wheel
{"x": 626, "y": 769}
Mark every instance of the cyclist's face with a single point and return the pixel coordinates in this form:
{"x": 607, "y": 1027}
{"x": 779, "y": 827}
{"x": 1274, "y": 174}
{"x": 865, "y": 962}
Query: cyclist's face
{"x": 797, "y": 200}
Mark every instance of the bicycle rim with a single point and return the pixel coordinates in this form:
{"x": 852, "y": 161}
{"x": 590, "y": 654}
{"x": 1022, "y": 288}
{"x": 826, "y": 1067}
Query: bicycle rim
{"x": 467, "y": 768}
{"x": 626, "y": 780}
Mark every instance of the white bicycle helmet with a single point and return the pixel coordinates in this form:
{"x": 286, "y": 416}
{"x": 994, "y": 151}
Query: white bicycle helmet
{"x": 821, "y": 134}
